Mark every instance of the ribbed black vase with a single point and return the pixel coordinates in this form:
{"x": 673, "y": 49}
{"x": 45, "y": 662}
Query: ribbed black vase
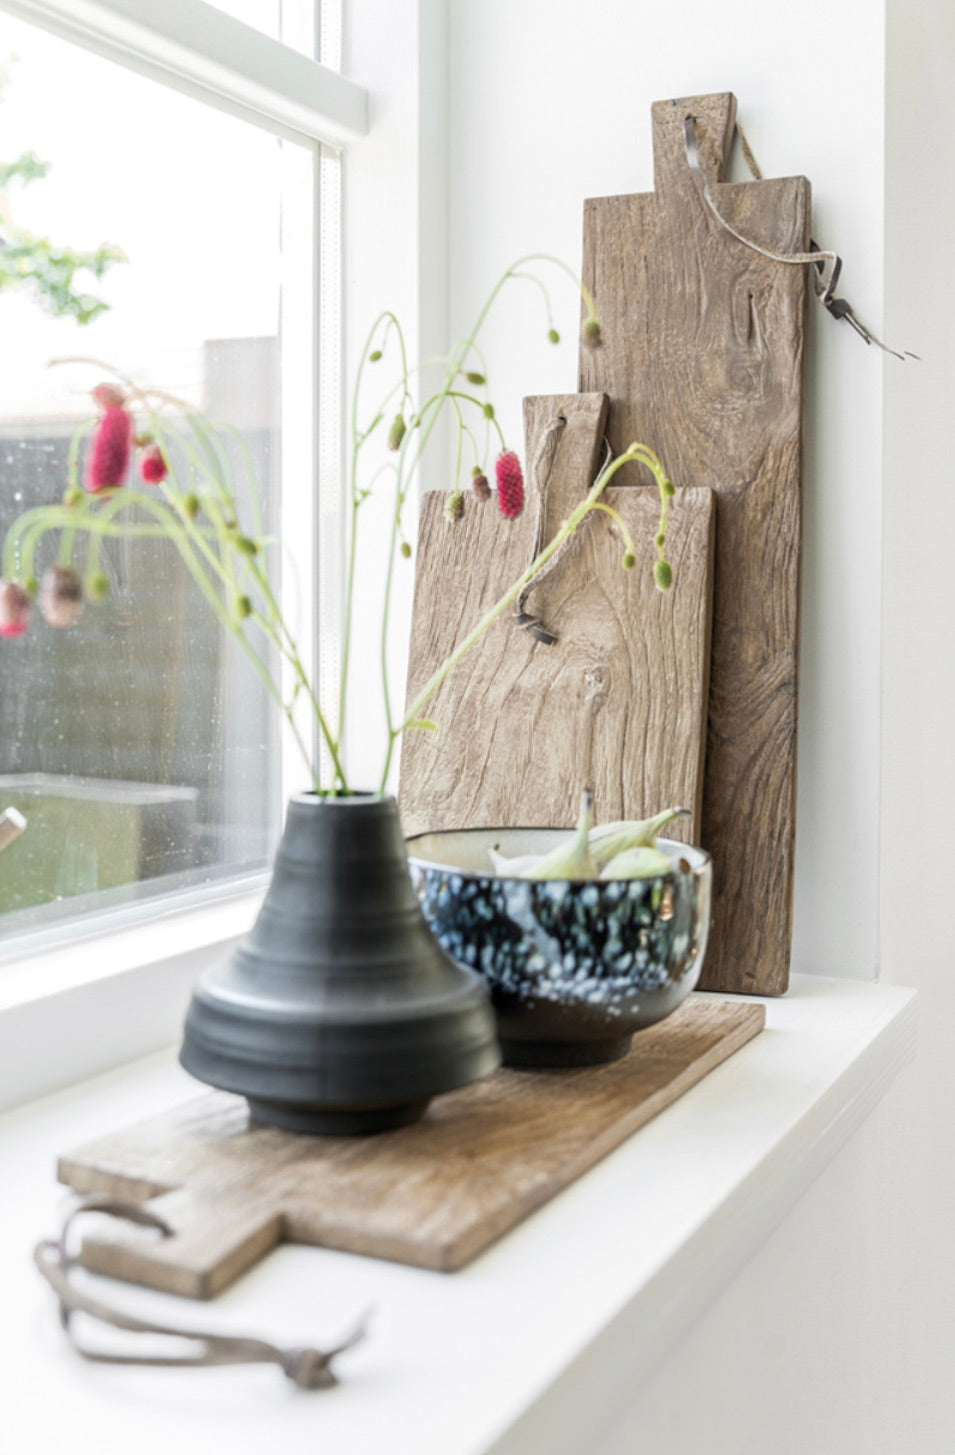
{"x": 340, "y": 1013}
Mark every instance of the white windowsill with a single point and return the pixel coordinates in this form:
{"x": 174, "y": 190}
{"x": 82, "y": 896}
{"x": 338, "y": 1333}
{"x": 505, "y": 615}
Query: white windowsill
{"x": 508, "y": 1356}
{"x": 72, "y": 1012}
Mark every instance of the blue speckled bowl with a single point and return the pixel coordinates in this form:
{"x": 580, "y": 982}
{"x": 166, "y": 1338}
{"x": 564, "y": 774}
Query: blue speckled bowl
{"x": 575, "y": 966}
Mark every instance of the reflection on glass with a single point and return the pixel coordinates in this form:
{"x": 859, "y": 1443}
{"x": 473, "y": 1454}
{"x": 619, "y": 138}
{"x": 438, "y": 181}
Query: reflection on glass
{"x": 139, "y": 745}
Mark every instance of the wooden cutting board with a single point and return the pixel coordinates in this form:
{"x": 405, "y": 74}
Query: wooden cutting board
{"x": 617, "y": 703}
{"x": 434, "y": 1194}
{"x": 702, "y": 358}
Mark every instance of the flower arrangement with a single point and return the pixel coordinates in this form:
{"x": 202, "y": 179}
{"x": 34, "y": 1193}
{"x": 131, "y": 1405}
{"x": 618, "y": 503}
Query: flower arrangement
{"x": 187, "y": 494}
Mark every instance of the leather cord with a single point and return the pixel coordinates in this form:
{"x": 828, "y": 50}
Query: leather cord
{"x": 543, "y": 464}
{"x": 307, "y": 1368}
{"x": 817, "y": 258}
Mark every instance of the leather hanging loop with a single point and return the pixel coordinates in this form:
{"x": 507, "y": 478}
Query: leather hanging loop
{"x": 307, "y": 1368}
{"x": 543, "y": 464}
{"x": 824, "y": 278}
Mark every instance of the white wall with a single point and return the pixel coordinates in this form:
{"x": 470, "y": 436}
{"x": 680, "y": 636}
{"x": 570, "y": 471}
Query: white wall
{"x": 918, "y": 699}
{"x": 550, "y": 103}
{"x": 918, "y": 666}
{"x": 395, "y": 224}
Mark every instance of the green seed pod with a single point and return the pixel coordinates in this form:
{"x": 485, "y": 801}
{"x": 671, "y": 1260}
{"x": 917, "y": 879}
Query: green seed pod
{"x": 243, "y": 607}
{"x": 553, "y": 335}
{"x": 475, "y": 378}
{"x": 397, "y": 432}
{"x": 489, "y": 411}
{"x": 190, "y": 506}
{"x": 591, "y": 333}
{"x": 669, "y": 488}
{"x": 374, "y": 356}
{"x": 405, "y": 550}
{"x": 629, "y": 560}
{"x": 97, "y": 586}
{"x": 454, "y": 506}
{"x": 663, "y": 575}
{"x": 245, "y": 546}
{"x": 659, "y": 540}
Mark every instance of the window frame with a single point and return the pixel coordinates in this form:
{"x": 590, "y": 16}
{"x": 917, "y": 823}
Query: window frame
{"x": 203, "y": 52}
{"x": 115, "y": 988}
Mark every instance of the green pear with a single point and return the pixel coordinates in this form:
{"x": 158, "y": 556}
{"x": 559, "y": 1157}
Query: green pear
{"x": 571, "y": 859}
{"x": 642, "y": 862}
{"x": 611, "y": 839}
{"x": 512, "y": 868}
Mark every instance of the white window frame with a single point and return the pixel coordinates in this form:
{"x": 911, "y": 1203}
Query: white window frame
{"x": 202, "y": 51}
{"x": 116, "y": 993}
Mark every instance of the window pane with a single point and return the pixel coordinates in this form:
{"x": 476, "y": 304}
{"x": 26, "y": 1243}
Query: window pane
{"x": 141, "y": 744}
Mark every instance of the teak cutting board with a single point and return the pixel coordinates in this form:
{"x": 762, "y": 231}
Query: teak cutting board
{"x": 617, "y": 703}
{"x": 702, "y": 359}
{"x": 434, "y": 1194}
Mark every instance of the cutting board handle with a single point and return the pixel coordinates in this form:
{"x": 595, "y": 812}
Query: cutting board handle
{"x": 715, "y": 117}
{"x": 212, "y": 1239}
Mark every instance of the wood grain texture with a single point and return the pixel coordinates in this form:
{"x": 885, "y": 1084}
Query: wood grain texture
{"x": 618, "y": 703}
{"x": 702, "y": 358}
{"x": 433, "y": 1195}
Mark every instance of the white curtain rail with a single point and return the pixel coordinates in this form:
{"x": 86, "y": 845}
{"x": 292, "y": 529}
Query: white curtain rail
{"x": 200, "y": 50}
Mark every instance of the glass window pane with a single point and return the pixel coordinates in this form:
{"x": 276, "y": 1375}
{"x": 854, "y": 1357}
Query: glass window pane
{"x": 141, "y": 745}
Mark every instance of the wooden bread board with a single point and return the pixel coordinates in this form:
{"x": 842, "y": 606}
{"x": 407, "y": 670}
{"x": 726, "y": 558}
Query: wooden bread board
{"x": 434, "y": 1194}
{"x": 617, "y": 704}
{"x": 702, "y": 357}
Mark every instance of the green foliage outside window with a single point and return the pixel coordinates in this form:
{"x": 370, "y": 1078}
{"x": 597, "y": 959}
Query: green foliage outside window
{"x": 50, "y": 272}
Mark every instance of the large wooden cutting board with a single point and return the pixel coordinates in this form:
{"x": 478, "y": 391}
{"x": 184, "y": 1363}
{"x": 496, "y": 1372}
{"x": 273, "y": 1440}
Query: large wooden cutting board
{"x": 702, "y": 358}
{"x": 434, "y": 1194}
{"x": 617, "y": 703}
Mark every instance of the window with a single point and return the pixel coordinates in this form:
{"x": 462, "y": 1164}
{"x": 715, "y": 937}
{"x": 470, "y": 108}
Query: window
{"x": 140, "y": 745}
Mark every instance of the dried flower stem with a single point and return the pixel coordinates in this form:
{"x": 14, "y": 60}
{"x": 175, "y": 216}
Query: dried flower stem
{"x": 616, "y": 516}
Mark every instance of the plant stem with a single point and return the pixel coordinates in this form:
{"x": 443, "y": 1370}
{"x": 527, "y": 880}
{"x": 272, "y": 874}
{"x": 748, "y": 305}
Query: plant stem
{"x": 389, "y": 573}
{"x": 616, "y": 516}
{"x": 453, "y": 367}
{"x": 390, "y": 320}
{"x": 290, "y": 652}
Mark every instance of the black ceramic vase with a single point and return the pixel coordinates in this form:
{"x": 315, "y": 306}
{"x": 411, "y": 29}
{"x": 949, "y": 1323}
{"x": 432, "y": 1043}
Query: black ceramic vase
{"x": 340, "y": 1013}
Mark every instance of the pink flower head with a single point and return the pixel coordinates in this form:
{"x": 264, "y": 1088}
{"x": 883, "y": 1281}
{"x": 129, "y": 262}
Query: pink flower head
{"x": 108, "y": 457}
{"x": 14, "y": 609}
{"x": 510, "y": 484}
{"x": 109, "y": 396}
{"x": 152, "y": 465}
